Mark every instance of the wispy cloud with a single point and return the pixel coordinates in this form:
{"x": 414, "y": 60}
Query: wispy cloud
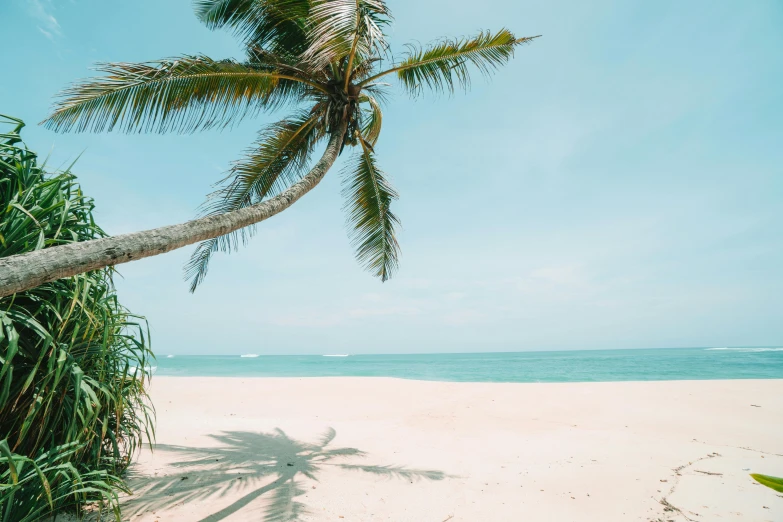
{"x": 464, "y": 316}
{"x": 571, "y": 275}
{"x": 558, "y": 283}
{"x": 306, "y": 319}
{"x": 384, "y": 311}
{"x": 46, "y": 33}
{"x": 318, "y": 319}
{"x": 48, "y": 25}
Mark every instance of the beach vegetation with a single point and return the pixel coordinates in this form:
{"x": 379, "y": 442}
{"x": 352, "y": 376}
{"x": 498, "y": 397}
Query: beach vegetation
{"x": 74, "y": 363}
{"x": 775, "y": 483}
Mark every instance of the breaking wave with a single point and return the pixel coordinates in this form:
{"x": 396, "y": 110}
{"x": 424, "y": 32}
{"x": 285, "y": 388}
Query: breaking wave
{"x": 747, "y": 350}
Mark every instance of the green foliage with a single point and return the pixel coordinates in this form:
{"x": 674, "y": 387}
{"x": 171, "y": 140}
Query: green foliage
{"x": 369, "y": 197}
{"x": 183, "y": 94}
{"x": 324, "y": 55}
{"x": 31, "y": 489}
{"x": 346, "y": 28}
{"x": 280, "y": 157}
{"x": 73, "y": 402}
{"x": 372, "y": 127}
{"x": 445, "y": 64}
{"x": 276, "y": 25}
{"x": 775, "y": 483}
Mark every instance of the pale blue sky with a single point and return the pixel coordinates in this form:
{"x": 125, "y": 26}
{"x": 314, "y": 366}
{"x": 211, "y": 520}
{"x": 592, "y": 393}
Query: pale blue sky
{"x": 618, "y": 185}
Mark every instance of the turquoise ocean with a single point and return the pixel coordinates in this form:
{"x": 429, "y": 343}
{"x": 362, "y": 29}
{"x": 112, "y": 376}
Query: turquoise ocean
{"x": 545, "y": 366}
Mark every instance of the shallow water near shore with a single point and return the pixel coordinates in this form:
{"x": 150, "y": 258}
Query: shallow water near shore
{"x": 561, "y": 366}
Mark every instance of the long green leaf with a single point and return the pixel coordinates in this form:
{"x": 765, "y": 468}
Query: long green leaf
{"x": 182, "y": 94}
{"x": 66, "y": 348}
{"x": 775, "y": 483}
{"x": 372, "y": 224}
{"x": 343, "y": 28}
{"x": 279, "y": 159}
{"x": 279, "y": 25}
{"x": 444, "y": 65}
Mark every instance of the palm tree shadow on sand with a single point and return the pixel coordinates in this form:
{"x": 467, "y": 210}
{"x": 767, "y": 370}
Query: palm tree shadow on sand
{"x": 256, "y": 464}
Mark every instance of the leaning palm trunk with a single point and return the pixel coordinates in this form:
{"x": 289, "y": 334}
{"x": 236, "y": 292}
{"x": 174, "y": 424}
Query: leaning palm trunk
{"x": 26, "y": 271}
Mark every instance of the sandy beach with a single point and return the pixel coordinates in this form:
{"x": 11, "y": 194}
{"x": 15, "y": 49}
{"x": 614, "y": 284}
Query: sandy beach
{"x": 382, "y": 449}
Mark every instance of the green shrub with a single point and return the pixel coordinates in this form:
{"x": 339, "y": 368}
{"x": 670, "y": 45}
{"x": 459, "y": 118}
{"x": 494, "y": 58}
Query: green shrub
{"x": 34, "y": 488}
{"x": 73, "y": 361}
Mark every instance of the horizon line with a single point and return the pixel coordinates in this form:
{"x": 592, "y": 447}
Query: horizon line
{"x": 473, "y": 353}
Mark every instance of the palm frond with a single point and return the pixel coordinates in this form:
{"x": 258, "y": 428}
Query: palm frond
{"x": 344, "y": 28}
{"x": 181, "y": 94}
{"x": 371, "y": 130}
{"x": 277, "y": 25}
{"x": 444, "y": 65}
{"x": 372, "y": 223}
{"x": 379, "y": 91}
{"x": 285, "y": 63}
{"x": 364, "y": 68}
{"x": 279, "y": 159}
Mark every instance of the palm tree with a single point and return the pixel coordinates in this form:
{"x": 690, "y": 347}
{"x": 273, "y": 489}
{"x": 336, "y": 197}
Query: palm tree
{"x": 324, "y": 60}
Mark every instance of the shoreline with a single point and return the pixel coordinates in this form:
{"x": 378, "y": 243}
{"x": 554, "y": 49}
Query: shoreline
{"x": 520, "y": 367}
{"x": 406, "y": 379}
{"x": 391, "y": 449}
{"x": 770, "y": 347}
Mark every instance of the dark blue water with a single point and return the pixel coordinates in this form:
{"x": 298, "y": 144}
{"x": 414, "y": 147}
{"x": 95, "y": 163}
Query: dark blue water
{"x": 571, "y": 366}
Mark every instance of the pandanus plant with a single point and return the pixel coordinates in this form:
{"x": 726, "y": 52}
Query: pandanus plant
{"x": 322, "y": 59}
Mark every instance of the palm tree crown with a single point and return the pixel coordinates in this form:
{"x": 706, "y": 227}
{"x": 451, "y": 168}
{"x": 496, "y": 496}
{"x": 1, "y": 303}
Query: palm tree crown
{"x": 322, "y": 59}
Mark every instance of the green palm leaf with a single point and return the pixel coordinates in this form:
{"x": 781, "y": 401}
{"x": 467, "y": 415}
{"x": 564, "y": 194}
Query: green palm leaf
{"x": 286, "y": 63}
{"x": 279, "y": 159}
{"x": 369, "y": 196}
{"x": 278, "y": 25}
{"x": 371, "y": 130}
{"x": 344, "y": 28}
{"x": 445, "y": 64}
{"x": 364, "y": 68}
{"x": 183, "y": 94}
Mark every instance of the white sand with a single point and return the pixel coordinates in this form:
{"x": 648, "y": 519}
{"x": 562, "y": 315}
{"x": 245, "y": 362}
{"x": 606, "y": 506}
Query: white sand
{"x": 367, "y": 449}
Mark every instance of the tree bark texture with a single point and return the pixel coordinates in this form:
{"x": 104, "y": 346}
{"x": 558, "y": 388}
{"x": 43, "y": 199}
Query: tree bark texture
{"x": 24, "y": 271}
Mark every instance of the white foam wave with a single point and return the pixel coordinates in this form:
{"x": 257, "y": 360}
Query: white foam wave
{"x": 169, "y": 357}
{"x": 148, "y": 370}
{"x": 747, "y": 350}
{"x": 250, "y": 355}
{"x": 335, "y": 355}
